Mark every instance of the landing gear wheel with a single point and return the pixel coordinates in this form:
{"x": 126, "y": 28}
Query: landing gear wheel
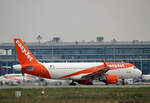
{"x": 72, "y": 83}
{"x": 106, "y": 83}
{"x": 89, "y": 83}
{"x": 123, "y": 81}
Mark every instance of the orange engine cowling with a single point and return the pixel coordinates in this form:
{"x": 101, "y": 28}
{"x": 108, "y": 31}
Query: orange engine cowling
{"x": 111, "y": 79}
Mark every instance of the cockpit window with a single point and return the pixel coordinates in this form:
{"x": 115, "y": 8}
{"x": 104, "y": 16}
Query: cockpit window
{"x": 134, "y": 68}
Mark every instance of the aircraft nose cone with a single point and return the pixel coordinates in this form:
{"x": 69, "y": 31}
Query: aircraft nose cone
{"x": 139, "y": 73}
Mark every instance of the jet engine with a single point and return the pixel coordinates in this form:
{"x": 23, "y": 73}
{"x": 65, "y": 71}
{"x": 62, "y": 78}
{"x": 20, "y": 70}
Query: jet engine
{"x": 110, "y": 79}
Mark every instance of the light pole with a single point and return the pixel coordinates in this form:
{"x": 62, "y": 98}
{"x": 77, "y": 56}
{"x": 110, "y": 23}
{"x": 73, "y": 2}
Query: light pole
{"x": 39, "y": 37}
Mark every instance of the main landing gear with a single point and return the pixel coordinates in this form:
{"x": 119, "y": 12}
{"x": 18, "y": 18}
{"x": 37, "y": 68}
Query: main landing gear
{"x": 72, "y": 83}
{"x": 123, "y": 82}
{"x": 83, "y": 82}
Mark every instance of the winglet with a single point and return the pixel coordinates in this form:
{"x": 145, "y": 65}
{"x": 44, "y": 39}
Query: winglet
{"x": 103, "y": 60}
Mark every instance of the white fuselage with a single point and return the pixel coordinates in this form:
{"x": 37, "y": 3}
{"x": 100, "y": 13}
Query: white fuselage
{"x": 58, "y": 70}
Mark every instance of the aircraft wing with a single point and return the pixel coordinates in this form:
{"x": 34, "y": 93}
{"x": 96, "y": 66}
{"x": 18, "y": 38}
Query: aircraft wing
{"x": 98, "y": 73}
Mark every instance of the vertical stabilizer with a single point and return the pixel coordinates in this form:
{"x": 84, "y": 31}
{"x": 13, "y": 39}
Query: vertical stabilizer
{"x": 23, "y": 53}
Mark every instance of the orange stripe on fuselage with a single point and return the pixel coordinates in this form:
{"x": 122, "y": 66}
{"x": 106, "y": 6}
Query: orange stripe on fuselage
{"x": 85, "y": 71}
{"x": 113, "y": 66}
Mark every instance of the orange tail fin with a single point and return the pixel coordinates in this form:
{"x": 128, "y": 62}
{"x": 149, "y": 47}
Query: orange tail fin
{"x": 23, "y": 53}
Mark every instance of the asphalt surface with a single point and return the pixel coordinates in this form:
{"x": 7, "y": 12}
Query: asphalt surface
{"x": 78, "y": 86}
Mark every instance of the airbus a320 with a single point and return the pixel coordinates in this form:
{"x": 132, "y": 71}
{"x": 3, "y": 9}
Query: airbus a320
{"x": 78, "y": 72}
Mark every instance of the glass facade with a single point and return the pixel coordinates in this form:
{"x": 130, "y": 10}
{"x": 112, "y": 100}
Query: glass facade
{"x": 135, "y": 53}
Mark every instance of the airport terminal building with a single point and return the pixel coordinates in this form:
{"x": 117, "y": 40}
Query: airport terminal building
{"x": 135, "y": 52}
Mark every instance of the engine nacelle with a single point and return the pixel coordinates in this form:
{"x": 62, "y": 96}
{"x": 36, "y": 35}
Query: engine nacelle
{"x": 111, "y": 79}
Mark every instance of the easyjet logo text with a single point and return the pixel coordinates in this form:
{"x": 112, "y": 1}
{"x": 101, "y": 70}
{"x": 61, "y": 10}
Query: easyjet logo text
{"x": 117, "y": 66}
{"x": 23, "y": 50}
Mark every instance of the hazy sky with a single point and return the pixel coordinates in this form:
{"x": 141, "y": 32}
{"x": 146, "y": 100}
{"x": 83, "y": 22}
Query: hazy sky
{"x": 75, "y": 19}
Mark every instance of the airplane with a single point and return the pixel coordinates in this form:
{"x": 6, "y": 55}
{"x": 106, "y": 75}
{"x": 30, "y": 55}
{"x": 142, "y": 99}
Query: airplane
{"x": 15, "y": 79}
{"x": 78, "y": 72}
{"x": 11, "y": 79}
{"x": 146, "y": 77}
